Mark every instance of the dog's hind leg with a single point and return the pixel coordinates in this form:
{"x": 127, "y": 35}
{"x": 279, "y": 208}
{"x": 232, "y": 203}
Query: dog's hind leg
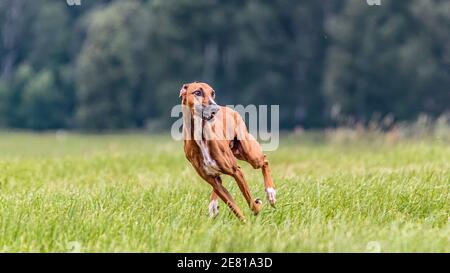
{"x": 214, "y": 205}
{"x": 249, "y": 150}
{"x": 254, "y": 204}
{"x": 268, "y": 183}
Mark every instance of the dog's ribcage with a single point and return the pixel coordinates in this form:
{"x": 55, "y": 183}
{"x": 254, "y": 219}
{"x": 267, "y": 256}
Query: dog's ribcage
{"x": 209, "y": 164}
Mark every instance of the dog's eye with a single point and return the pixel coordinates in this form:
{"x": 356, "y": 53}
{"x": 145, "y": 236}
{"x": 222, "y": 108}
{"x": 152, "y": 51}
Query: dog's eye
{"x": 197, "y": 93}
{"x": 213, "y": 94}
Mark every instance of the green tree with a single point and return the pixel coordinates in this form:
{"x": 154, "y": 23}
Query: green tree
{"x": 12, "y": 96}
{"x": 118, "y": 64}
{"x": 282, "y": 57}
{"x": 4, "y": 105}
{"x": 248, "y": 50}
{"x": 49, "y": 36}
{"x": 109, "y": 69}
{"x": 385, "y": 60}
{"x": 31, "y": 100}
{"x": 40, "y": 103}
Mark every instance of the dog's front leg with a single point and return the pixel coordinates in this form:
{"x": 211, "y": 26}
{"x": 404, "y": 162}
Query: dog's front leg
{"x": 219, "y": 189}
{"x": 214, "y": 205}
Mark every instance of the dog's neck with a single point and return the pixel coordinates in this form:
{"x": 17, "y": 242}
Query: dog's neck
{"x": 188, "y": 121}
{"x": 194, "y": 126}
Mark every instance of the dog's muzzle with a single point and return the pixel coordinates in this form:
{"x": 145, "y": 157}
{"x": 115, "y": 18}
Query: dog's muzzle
{"x": 208, "y": 112}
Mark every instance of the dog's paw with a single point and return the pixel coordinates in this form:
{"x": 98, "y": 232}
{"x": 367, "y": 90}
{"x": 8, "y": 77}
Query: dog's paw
{"x": 271, "y": 196}
{"x": 213, "y": 208}
{"x": 257, "y": 206}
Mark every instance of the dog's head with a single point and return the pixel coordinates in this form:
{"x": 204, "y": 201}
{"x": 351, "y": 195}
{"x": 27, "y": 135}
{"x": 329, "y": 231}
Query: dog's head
{"x": 199, "y": 98}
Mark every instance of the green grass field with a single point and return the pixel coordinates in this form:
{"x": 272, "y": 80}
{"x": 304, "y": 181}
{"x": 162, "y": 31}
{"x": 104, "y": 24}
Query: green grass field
{"x": 136, "y": 192}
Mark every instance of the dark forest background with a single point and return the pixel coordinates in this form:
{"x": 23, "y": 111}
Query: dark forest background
{"x": 107, "y": 65}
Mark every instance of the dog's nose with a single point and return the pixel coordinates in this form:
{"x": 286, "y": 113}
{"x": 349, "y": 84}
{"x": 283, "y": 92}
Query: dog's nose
{"x": 212, "y": 102}
{"x": 214, "y": 108}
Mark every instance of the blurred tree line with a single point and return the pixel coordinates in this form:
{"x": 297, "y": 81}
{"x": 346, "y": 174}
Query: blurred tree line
{"x": 120, "y": 64}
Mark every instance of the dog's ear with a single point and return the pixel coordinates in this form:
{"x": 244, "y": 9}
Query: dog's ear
{"x": 183, "y": 90}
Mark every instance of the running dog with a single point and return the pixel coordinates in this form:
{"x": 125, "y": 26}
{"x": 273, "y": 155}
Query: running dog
{"x": 214, "y": 137}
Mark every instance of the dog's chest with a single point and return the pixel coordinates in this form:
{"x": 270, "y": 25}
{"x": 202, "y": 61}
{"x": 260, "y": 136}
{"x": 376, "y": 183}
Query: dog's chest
{"x": 209, "y": 164}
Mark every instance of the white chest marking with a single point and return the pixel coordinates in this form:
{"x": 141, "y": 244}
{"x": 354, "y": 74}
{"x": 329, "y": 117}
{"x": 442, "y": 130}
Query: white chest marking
{"x": 209, "y": 164}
